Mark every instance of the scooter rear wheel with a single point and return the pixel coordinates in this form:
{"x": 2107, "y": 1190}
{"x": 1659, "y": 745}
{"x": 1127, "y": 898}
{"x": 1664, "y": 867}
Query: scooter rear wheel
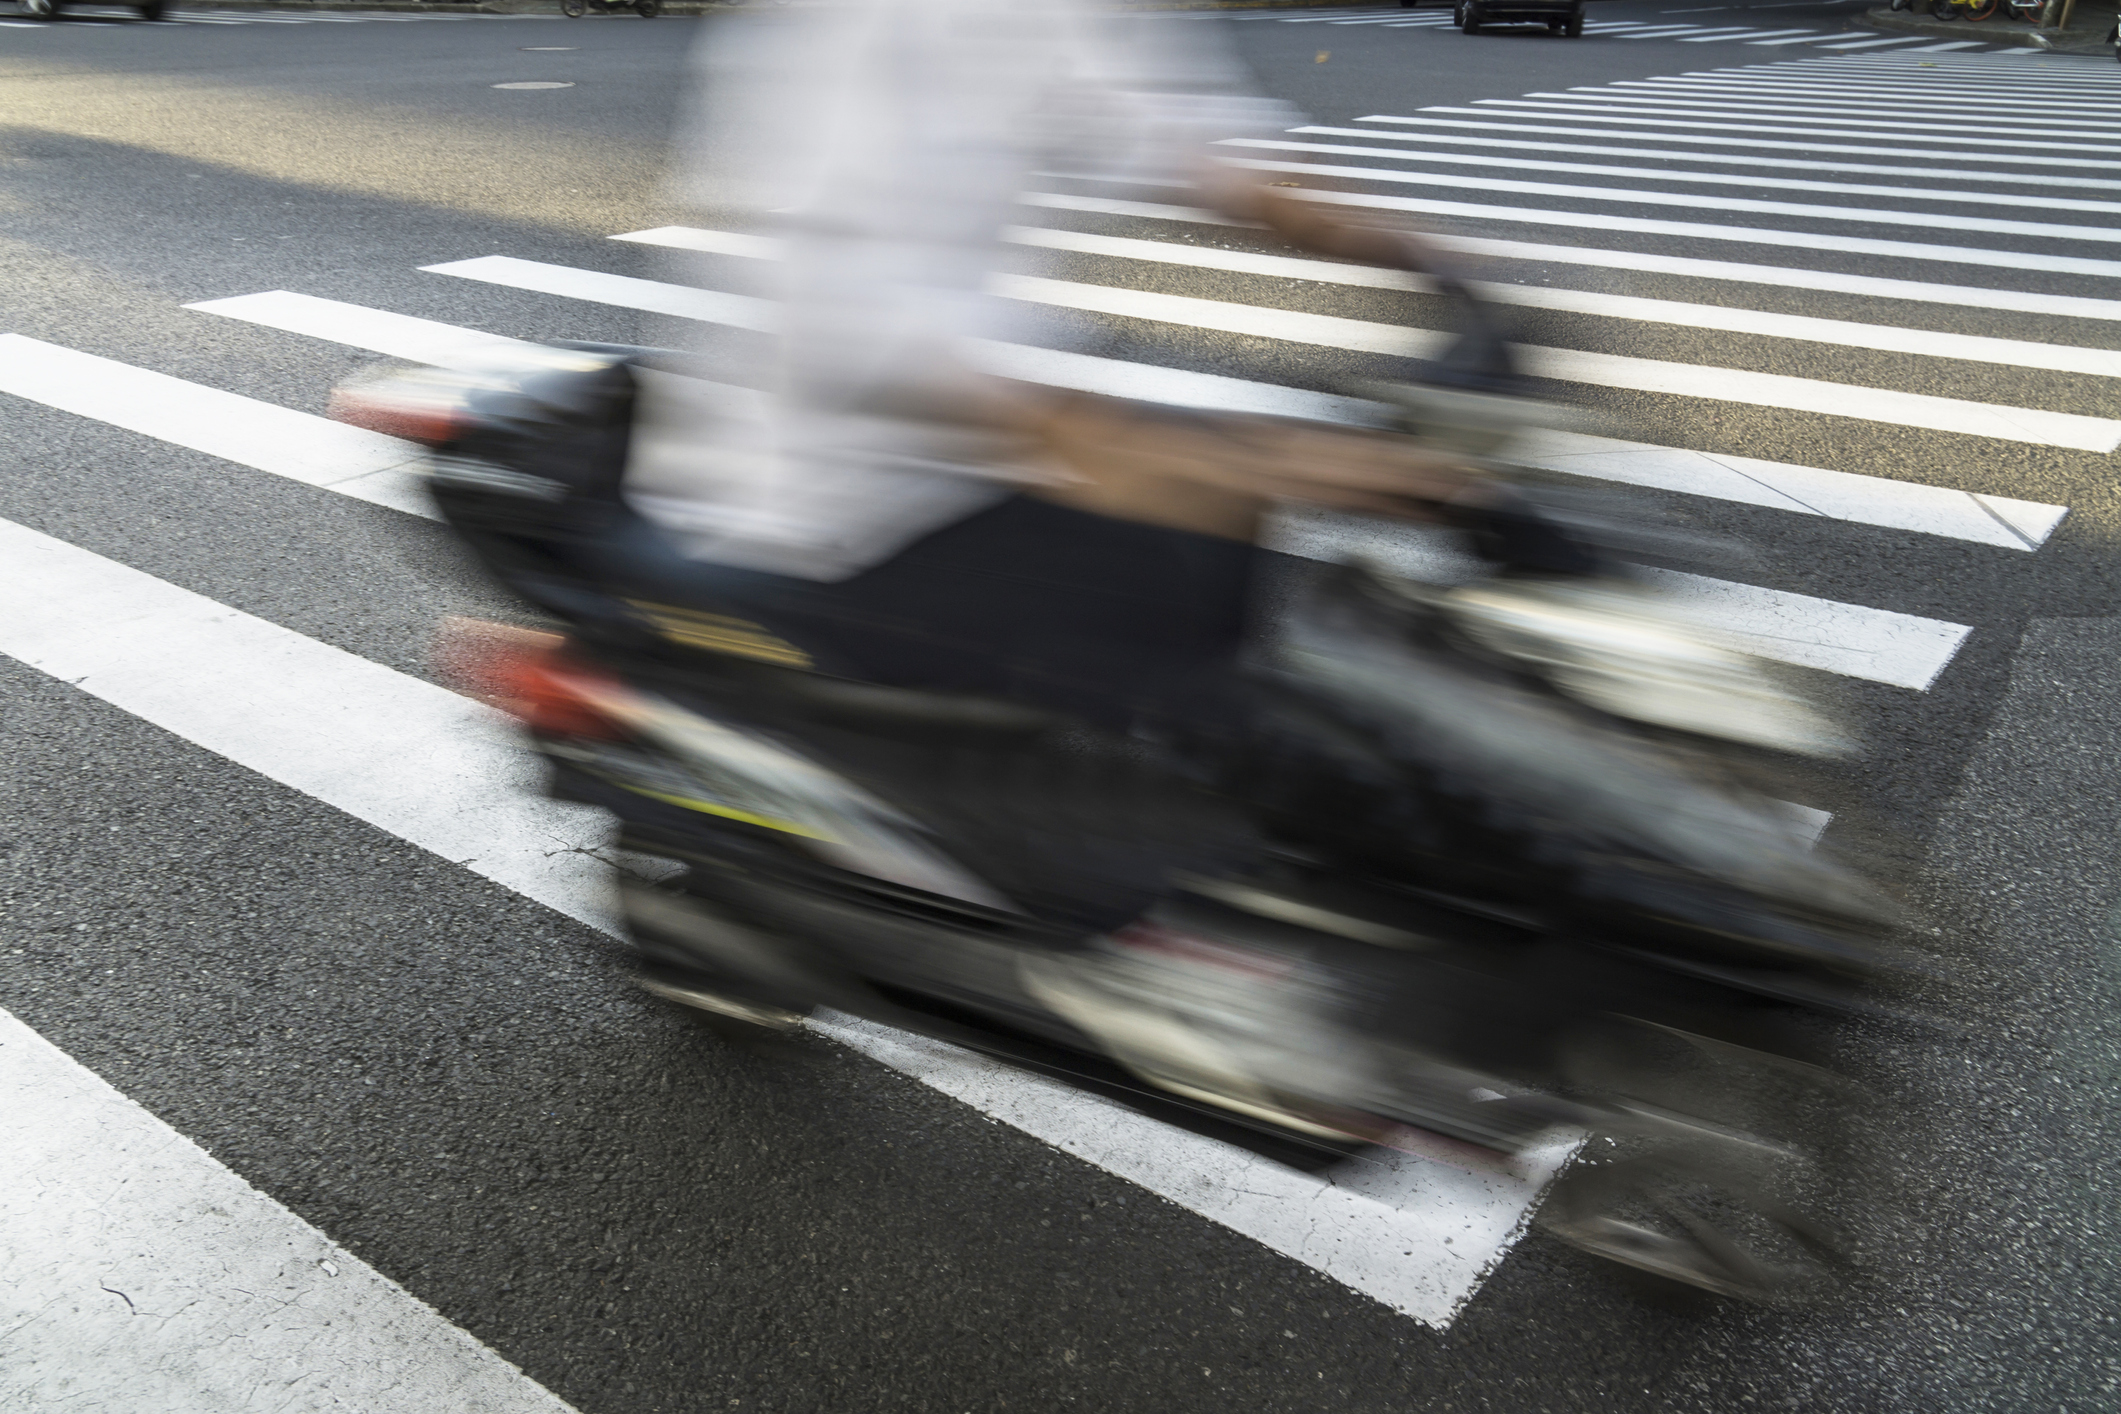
{"x": 573, "y": 9}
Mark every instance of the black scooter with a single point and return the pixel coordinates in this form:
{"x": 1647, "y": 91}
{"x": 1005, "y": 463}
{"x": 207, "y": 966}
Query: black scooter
{"x": 1499, "y": 890}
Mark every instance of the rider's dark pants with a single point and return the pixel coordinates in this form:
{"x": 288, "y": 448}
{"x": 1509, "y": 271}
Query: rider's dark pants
{"x": 1106, "y": 619}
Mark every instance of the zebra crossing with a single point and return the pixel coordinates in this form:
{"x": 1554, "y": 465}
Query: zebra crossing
{"x": 1907, "y": 449}
{"x": 1763, "y": 34}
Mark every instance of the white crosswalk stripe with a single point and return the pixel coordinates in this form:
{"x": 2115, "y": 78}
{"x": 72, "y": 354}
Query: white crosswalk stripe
{"x": 327, "y": 725}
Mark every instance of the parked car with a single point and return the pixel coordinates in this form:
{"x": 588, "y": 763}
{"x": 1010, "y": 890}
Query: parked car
{"x": 1561, "y": 16}
{"x": 49, "y": 9}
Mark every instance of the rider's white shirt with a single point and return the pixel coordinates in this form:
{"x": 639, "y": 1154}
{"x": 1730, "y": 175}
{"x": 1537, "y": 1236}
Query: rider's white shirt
{"x": 882, "y": 144}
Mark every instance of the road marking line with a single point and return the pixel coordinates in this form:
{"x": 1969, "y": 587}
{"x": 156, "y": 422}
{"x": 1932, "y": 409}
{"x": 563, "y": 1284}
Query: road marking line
{"x": 1894, "y": 78}
{"x": 1703, "y": 230}
{"x": 1898, "y": 505}
{"x": 298, "y": 445}
{"x": 1946, "y": 48}
{"x": 1669, "y": 118}
{"x": 1468, "y": 159}
{"x": 144, "y": 1274}
{"x": 1591, "y": 456}
{"x": 1776, "y": 390}
{"x": 1848, "y": 639}
{"x": 1834, "y": 494}
{"x": 1676, "y": 33}
{"x": 2017, "y": 353}
{"x": 1982, "y": 71}
{"x": 1721, "y": 159}
{"x": 1874, "y": 43}
{"x": 397, "y": 335}
{"x": 1811, "y": 96}
{"x": 651, "y": 296}
{"x": 1749, "y": 34}
{"x": 1330, "y": 331}
{"x": 1891, "y": 73}
{"x": 436, "y": 770}
{"x": 1697, "y": 201}
{"x": 1927, "y": 154}
{"x": 1845, "y": 117}
{"x": 2066, "y": 306}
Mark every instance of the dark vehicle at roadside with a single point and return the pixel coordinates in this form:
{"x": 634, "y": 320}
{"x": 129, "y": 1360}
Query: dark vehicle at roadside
{"x": 49, "y": 9}
{"x": 1559, "y": 16}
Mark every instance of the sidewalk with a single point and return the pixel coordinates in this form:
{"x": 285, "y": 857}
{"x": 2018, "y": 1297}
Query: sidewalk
{"x": 2090, "y": 24}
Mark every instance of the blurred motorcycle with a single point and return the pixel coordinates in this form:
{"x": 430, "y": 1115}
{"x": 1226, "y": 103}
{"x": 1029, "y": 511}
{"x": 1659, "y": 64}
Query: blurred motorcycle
{"x": 1479, "y": 874}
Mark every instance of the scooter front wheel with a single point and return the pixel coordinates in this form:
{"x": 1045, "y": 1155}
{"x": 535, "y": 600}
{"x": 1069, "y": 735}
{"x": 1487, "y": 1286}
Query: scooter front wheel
{"x": 574, "y": 9}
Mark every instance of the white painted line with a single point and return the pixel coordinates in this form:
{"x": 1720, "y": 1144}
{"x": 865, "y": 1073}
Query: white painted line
{"x": 397, "y": 335}
{"x": 2038, "y": 202}
{"x": 1852, "y": 119}
{"x": 143, "y": 1274}
{"x": 1899, "y": 505}
{"x": 1873, "y": 43}
{"x": 1801, "y": 490}
{"x": 1945, "y": 48}
{"x": 424, "y": 763}
{"x": 1721, "y": 159}
{"x": 1667, "y": 117}
{"x": 1901, "y": 650}
{"x": 1703, "y": 230}
{"x": 1778, "y": 43}
{"x": 297, "y": 445}
{"x": 2066, "y": 306}
{"x": 1970, "y": 70}
{"x": 1382, "y": 1231}
{"x": 1895, "y": 80}
{"x": 1926, "y": 154}
{"x": 1902, "y": 71}
{"x": 1698, "y": 201}
{"x": 2062, "y": 358}
{"x": 654, "y": 296}
{"x": 434, "y": 769}
{"x": 1609, "y": 370}
{"x": 1804, "y": 96}
{"x": 712, "y": 242}
{"x": 1749, "y": 34}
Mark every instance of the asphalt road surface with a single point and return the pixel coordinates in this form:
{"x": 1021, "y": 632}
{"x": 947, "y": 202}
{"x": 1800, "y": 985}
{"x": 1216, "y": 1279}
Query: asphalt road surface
{"x": 383, "y": 1124}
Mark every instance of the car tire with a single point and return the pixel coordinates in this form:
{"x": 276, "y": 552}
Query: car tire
{"x": 152, "y": 9}
{"x": 648, "y": 9}
{"x": 1574, "y": 28}
{"x": 1469, "y": 18}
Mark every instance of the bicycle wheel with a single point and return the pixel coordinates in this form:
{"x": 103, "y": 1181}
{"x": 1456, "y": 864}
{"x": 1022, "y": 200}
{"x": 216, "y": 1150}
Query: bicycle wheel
{"x": 1945, "y": 9}
{"x": 1977, "y": 10}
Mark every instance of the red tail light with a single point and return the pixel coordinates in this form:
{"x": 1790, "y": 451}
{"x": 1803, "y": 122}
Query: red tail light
{"x": 418, "y": 407}
{"x": 526, "y": 673}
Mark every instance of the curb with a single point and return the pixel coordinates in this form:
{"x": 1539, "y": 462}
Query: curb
{"x": 2074, "y": 40}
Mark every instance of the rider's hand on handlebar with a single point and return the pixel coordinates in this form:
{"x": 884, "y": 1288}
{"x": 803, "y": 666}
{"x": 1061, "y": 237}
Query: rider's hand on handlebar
{"x": 1218, "y": 474}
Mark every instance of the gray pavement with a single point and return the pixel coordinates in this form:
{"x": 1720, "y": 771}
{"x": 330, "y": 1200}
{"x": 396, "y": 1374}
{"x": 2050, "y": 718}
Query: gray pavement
{"x": 455, "y": 1084}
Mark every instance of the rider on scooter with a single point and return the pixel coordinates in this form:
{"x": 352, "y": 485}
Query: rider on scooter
{"x": 886, "y": 509}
